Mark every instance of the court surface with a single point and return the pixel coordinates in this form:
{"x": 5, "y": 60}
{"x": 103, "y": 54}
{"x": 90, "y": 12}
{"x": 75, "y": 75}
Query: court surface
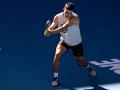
{"x": 26, "y": 55}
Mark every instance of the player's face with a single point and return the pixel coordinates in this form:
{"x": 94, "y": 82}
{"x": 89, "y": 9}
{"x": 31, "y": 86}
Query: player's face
{"x": 67, "y": 13}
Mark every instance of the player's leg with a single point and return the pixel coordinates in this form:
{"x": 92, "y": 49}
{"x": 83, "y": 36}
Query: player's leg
{"x": 82, "y": 63}
{"x": 78, "y": 53}
{"x": 60, "y": 49}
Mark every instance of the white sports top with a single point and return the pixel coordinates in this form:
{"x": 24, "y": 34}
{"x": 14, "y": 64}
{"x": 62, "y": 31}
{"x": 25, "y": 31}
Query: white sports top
{"x": 72, "y": 36}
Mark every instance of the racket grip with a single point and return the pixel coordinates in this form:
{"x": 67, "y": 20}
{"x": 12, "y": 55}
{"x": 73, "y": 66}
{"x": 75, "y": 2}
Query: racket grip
{"x": 46, "y": 33}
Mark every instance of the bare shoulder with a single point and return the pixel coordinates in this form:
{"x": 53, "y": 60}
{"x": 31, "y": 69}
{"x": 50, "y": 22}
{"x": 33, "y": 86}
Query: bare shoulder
{"x": 56, "y": 16}
{"x": 75, "y": 19}
{"x": 75, "y": 15}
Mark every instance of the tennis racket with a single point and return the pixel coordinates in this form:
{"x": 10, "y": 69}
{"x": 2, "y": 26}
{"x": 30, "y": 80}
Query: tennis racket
{"x": 47, "y": 24}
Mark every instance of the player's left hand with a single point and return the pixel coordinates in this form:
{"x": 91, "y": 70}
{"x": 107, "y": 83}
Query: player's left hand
{"x": 47, "y": 33}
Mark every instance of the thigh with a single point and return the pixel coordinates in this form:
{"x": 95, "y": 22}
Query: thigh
{"x": 77, "y": 50}
{"x": 60, "y": 49}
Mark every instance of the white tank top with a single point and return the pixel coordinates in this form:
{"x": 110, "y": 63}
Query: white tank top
{"x": 72, "y": 36}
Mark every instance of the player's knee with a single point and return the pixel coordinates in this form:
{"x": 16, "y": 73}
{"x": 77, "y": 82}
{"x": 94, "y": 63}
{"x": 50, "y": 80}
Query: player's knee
{"x": 58, "y": 52}
{"x": 58, "y": 55}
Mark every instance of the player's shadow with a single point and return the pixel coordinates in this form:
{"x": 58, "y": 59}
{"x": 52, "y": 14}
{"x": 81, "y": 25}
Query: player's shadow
{"x": 94, "y": 82}
{"x": 95, "y": 87}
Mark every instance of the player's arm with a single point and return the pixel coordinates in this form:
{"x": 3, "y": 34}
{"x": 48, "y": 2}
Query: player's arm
{"x": 53, "y": 24}
{"x": 54, "y": 30}
{"x": 72, "y": 20}
{"x": 62, "y": 28}
{"x": 75, "y": 20}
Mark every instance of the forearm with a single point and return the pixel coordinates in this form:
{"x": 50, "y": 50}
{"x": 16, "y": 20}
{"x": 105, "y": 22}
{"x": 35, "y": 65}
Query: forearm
{"x": 61, "y": 28}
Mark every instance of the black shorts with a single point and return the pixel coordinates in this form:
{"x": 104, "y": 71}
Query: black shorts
{"x": 77, "y": 49}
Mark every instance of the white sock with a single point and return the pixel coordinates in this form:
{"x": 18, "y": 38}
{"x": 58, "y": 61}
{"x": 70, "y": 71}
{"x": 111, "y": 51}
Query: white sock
{"x": 55, "y": 75}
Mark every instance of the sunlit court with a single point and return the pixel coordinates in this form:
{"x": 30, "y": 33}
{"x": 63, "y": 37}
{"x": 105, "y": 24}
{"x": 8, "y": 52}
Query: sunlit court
{"x": 56, "y": 45}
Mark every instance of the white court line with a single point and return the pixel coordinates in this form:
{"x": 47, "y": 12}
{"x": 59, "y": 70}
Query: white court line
{"x": 113, "y": 86}
{"x": 83, "y": 88}
{"x": 63, "y": 89}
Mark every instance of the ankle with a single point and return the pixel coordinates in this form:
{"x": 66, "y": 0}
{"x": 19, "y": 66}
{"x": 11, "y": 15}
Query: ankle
{"x": 88, "y": 67}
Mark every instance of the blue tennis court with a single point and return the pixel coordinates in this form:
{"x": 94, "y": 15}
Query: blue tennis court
{"x": 26, "y": 56}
